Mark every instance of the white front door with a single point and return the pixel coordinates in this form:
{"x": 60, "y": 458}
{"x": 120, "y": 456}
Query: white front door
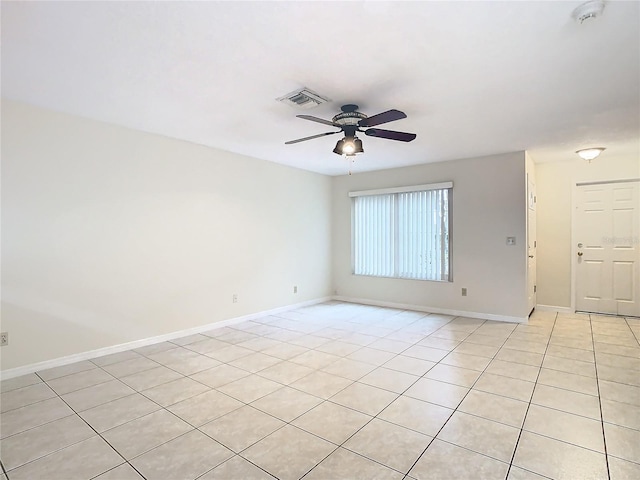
{"x": 531, "y": 244}
{"x": 607, "y": 247}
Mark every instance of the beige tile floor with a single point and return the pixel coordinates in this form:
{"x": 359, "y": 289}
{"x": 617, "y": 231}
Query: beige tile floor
{"x": 341, "y": 391}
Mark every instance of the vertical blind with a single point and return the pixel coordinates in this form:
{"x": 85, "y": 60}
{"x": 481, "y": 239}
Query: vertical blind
{"x": 404, "y": 234}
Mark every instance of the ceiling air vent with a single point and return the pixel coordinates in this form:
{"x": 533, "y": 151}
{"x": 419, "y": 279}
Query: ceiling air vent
{"x": 303, "y": 98}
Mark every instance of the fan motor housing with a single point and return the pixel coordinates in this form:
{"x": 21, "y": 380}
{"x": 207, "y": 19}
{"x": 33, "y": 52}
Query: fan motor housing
{"x": 349, "y": 116}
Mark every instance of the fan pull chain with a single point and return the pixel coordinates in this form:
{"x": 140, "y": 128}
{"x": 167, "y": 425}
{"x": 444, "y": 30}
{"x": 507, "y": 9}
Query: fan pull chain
{"x": 352, "y": 160}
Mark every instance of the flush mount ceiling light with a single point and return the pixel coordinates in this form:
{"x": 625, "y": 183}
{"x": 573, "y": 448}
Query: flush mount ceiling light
{"x": 590, "y": 153}
{"x": 591, "y": 9}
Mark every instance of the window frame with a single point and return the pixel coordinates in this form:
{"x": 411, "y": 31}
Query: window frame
{"x": 406, "y": 189}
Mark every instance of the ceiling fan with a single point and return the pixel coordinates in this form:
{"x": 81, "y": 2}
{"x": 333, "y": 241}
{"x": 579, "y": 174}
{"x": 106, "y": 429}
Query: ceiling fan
{"x": 350, "y": 121}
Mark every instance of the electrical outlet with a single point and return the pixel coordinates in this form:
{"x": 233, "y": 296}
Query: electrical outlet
{"x": 464, "y": 292}
{"x": 295, "y": 289}
{"x": 511, "y": 240}
{"x": 235, "y": 298}
{"x": 4, "y": 339}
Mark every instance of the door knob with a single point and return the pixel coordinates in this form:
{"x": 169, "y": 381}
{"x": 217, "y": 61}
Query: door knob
{"x": 579, "y": 254}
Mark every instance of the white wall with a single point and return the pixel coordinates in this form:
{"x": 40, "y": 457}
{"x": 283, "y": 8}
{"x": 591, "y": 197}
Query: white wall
{"x": 555, "y": 184}
{"x": 489, "y": 204}
{"x": 110, "y": 235}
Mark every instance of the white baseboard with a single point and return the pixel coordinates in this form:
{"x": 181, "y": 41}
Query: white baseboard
{"x": 422, "y": 308}
{"x": 553, "y": 308}
{"x": 101, "y": 352}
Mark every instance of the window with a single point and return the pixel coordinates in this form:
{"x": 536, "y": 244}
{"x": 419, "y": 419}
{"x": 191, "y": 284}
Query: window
{"x": 403, "y": 232}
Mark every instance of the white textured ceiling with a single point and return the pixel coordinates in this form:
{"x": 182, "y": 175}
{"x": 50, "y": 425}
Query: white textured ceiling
{"x": 475, "y": 78}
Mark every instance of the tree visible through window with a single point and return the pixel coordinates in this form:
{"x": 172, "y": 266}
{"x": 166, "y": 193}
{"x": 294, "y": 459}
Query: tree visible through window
{"x": 403, "y": 233}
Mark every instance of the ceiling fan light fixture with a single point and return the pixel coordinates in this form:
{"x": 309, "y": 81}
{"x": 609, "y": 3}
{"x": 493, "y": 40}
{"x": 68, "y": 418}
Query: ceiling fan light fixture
{"x": 590, "y": 153}
{"x": 358, "y": 144}
{"x": 349, "y": 146}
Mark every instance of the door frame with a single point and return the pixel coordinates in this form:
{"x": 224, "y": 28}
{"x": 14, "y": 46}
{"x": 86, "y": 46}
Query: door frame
{"x": 532, "y": 204}
{"x": 574, "y": 247}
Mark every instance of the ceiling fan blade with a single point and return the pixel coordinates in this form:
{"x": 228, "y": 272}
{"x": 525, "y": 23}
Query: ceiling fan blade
{"x": 319, "y": 120}
{"x": 384, "y": 117}
{"x": 309, "y": 138}
{"x": 390, "y": 134}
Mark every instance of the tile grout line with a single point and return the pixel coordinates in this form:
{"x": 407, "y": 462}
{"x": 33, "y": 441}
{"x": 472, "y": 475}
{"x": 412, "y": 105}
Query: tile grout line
{"x": 422, "y": 376}
{"x": 101, "y": 367}
{"x": 376, "y": 416}
{"x": 459, "y": 403}
{"x": 161, "y": 407}
{"x": 626, "y": 320}
{"x": 524, "y": 419}
{"x": 76, "y": 443}
{"x": 323, "y": 400}
{"x": 595, "y": 364}
{"x": 97, "y": 433}
{"x": 194, "y": 428}
{"x": 361, "y": 377}
{"x": 581, "y": 393}
{"x": 338, "y": 446}
{"x": 372, "y": 417}
{"x": 396, "y": 354}
{"x": 57, "y": 395}
{"x": 231, "y": 458}
{"x": 311, "y": 433}
{"x": 266, "y": 413}
{"x": 117, "y": 466}
{"x": 90, "y": 386}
